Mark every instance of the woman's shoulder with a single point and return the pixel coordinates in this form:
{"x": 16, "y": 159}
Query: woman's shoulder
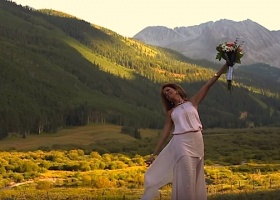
{"x": 191, "y": 101}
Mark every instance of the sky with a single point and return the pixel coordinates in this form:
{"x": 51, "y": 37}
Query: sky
{"x": 128, "y": 17}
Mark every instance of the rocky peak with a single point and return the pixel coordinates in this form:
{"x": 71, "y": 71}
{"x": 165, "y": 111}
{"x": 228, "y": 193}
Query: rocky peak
{"x": 199, "y": 41}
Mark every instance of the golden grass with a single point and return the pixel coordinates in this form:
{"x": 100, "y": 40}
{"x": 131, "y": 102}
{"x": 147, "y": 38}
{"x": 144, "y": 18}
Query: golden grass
{"x": 149, "y": 133}
{"x": 97, "y": 172}
{"x": 83, "y": 135}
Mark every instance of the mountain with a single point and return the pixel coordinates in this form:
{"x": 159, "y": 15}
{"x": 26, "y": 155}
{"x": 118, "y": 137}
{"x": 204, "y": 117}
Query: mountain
{"x": 199, "y": 42}
{"x": 58, "y": 71}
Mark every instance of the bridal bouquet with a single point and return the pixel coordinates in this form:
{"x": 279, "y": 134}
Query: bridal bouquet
{"x": 232, "y": 53}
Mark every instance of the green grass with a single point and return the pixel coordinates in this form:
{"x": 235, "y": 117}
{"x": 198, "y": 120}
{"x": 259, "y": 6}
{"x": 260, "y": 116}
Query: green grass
{"x": 242, "y": 145}
{"x": 249, "y": 195}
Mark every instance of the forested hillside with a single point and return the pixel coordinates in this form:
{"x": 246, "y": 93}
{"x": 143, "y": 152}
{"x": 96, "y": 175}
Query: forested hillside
{"x": 57, "y": 71}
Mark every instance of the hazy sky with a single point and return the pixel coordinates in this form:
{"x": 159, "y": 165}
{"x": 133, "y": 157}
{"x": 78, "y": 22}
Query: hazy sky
{"x": 128, "y": 17}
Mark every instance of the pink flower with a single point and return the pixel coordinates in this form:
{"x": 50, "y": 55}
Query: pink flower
{"x": 230, "y": 44}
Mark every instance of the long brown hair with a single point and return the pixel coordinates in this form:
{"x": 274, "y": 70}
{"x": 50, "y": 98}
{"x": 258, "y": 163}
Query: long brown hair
{"x": 168, "y": 105}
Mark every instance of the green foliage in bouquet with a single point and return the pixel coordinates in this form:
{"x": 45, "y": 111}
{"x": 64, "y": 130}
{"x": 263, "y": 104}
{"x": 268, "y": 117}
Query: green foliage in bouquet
{"x": 230, "y": 51}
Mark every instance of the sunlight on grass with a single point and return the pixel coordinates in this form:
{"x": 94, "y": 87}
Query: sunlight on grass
{"x": 144, "y": 48}
{"x": 83, "y": 135}
{"x": 149, "y": 133}
{"x": 104, "y": 63}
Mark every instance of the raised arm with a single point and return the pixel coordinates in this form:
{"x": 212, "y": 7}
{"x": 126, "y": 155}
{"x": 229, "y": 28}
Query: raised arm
{"x": 199, "y": 96}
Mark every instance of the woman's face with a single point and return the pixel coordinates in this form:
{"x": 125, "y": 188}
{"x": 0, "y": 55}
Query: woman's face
{"x": 169, "y": 93}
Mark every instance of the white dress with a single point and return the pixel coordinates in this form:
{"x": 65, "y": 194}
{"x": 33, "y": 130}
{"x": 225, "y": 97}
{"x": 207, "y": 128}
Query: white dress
{"x": 181, "y": 162}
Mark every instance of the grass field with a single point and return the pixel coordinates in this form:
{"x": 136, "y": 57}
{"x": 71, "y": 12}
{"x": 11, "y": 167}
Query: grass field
{"x": 83, "y": 135}
{"x": 123, "y": 194}
{"x": 223, "y": 146}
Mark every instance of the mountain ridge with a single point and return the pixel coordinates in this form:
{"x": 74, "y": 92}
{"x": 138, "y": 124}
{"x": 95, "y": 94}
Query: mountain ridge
{"x": 199, "y": 41}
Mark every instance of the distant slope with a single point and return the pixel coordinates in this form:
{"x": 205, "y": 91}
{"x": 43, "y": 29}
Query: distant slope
{"x": 59, "y": 71}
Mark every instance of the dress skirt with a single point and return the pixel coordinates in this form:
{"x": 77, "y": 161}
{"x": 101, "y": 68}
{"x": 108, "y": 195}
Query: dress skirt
{"x": 181, "y": 163}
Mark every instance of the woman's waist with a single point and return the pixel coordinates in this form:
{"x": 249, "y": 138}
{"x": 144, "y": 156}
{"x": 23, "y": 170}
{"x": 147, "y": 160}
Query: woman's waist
{"x": 186, "y": 131}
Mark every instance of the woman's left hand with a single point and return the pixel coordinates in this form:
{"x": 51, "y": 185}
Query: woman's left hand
{"x": 150, "y": 160}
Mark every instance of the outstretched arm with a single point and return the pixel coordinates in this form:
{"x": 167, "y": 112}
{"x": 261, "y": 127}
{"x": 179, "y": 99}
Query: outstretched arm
{"x": 165, "y": 133}
{"x": 199, "y": 96}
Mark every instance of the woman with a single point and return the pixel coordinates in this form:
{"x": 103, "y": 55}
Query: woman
{"x": 181, "y": 162}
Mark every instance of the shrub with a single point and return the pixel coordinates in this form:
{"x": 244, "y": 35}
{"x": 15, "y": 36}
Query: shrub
{"x": 44, "y": 185}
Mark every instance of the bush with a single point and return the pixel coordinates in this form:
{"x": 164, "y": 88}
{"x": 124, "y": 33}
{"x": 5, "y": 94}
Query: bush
{"x": 44, "y": 185}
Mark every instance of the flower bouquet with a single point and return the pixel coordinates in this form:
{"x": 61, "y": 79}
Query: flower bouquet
{"x": 232, "y": 53}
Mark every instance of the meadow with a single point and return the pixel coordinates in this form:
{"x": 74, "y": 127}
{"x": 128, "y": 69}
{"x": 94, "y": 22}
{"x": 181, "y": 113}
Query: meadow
{"x": 100, "y": 162}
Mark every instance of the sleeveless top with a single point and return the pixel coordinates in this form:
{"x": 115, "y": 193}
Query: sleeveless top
{"x": 185, "y": 118}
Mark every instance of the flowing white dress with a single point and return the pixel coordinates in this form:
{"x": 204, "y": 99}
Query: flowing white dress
{"x": 181, "y": 162}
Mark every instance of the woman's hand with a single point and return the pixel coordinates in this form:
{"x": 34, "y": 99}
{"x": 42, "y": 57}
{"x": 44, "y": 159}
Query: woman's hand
{"x": 150, "y": 160}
